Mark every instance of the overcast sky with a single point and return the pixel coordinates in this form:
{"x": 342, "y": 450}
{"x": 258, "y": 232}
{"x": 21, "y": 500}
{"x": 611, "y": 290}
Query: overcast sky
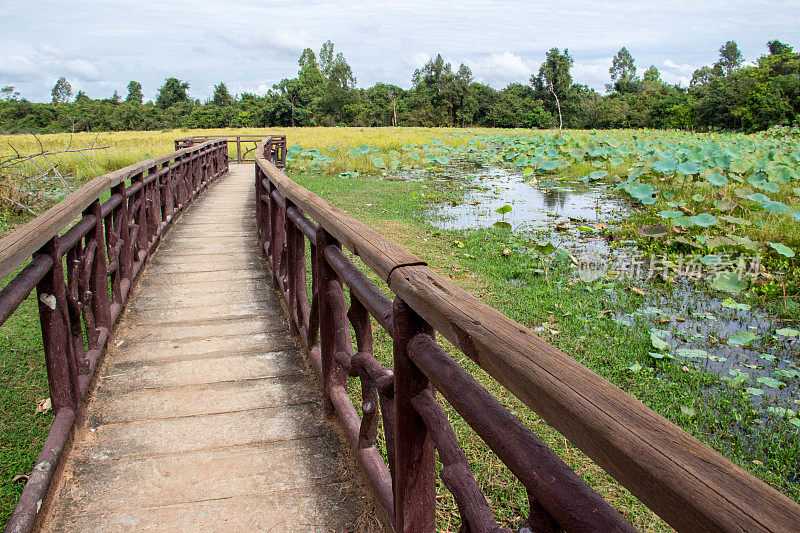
{"x": 101, "y": 45}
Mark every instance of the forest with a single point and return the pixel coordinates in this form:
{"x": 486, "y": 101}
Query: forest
{"x": 729, "y": 95}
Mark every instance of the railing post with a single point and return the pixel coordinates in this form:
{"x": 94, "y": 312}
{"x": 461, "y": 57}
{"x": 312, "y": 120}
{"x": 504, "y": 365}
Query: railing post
{"x": 328, "y": 287}
{"x": 295, "y": 245}
{"x": 141, "y": 219}
{"x": 165, "y": 191}
{"x": 62, "y": 371}
{"x": 122, "y": 230}
{"x": 277, "y": 240}
{"x": 153, "y": 205}
{"x": 414, "y": 481}
{"x": 98, "y": 280}
{"x": 238, "y": 149}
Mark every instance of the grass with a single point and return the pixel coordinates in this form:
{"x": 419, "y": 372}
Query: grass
{"x": 576, "y": 323}
{"x": 22, "y": 429}
{"x": 573, "y": 316}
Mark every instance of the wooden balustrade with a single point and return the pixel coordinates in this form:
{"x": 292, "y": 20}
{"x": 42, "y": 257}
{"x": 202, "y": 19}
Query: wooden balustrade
{"x": 105, "y": 246}
{"x": 242, "y": 147}
{"x": 688, "y": 484}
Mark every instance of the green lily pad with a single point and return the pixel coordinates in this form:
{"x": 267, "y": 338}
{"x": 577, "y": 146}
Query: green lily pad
{"x": 688, "y": 168}
{"x": 692, "y": 353}
{"x": 653, "y": 230}
{"x": 658, "y": 344}
{"x": 635, "y": 368}
{"x": 782, "y": 249}
{"x": 544, "y": 247}
{"x": 717, "y": 179}
{"x": 758, "y": 197}
{"x": 729, "y": 282}
{"x": 731, "y": 304}
{"x": 736, "y": 220}
{"x": 742, "y": 338}
{"x": 776, "y": 207}
{"x": 787, "y": 332}
{"x": 670, "y": 214}
{"x": 704, "y": 220}
{"x": 597, "y": 175}
{"x": 770, "y": 382}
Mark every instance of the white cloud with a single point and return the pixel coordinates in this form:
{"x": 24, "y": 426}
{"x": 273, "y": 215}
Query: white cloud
{"x": 268, "y": 40}
{"x": 593, "y": 73}
{"x": 685, "y": 68}
{"x": 418, "y": 60}
{"x": 15, "y": 68}
{"x": 501, "y": 69}
{"x": 81, "y": 69}
{"x": 677, "y": 73}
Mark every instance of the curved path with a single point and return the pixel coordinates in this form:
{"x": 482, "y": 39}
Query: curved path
{"x": 205, "y": 416}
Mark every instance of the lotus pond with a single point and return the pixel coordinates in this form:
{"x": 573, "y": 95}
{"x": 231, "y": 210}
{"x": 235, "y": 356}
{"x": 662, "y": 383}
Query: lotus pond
{"x": 679, "y": 197}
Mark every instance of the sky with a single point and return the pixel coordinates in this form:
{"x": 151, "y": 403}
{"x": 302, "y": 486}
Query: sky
{"x": 100, "y": 45}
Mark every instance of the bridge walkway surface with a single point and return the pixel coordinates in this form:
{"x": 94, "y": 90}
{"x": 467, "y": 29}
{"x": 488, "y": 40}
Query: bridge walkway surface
{"x": 205, "y": 416}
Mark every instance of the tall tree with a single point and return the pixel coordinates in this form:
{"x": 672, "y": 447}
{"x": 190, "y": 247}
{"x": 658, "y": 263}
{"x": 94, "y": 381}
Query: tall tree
{"x": 730, "y": 58}
{"x": 289, "y": 88}
{"x": 554, "y": 78}
{"x": 341, "y": 75}
{"x": 134, "y": 92}
{"x": 776, "y": 47}
{"x": 62, "y": 91}
{"x": 326, "y": 58}
{"x": 554, "y": 74}
{"x": 622, "y": 66}
{"x": 172, "y": 92}
{"x": 652, "y": 75}
{"x": 705, "y": 74}
{"x": 221, "y": 96}
{"x": 9, "y": 93}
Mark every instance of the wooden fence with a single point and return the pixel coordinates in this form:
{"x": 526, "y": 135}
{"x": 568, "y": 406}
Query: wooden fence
{"x": 684, "y": 481}
{"x": 105, "y": 246}
{"x": 245, "y": 146}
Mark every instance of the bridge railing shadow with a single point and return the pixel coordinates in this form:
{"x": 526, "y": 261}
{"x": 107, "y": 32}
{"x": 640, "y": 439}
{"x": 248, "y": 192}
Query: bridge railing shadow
{"x": 684, "y": 481}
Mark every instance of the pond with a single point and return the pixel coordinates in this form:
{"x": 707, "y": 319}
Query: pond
{"x": 541, "y": 205}
{"x": 698, "y": 328}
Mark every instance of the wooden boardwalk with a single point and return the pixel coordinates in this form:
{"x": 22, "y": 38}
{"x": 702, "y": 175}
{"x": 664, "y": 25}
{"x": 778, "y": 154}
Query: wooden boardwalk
{"x": 205, "y": 416}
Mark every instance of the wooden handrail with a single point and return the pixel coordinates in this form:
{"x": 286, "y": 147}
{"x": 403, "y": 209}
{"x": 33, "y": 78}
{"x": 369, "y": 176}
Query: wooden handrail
{"x": 241, "y": 156}
{"x": 684, "y": 481}
{"x": 20, "y": 244}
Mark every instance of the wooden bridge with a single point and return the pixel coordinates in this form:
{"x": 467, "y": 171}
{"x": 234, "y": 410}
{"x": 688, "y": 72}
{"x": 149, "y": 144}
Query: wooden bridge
{"x": 185, "y": 399}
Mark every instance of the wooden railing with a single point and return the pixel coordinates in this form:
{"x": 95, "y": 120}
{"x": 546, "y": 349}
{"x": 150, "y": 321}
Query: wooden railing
{"x": 684, "y": 481}
{"x": 105, "y": 245}
{"x": 245, "y": 146}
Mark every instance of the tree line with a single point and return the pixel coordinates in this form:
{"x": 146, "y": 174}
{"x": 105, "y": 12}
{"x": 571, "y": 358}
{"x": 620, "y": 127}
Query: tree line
{"x": 728, "y": 95}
